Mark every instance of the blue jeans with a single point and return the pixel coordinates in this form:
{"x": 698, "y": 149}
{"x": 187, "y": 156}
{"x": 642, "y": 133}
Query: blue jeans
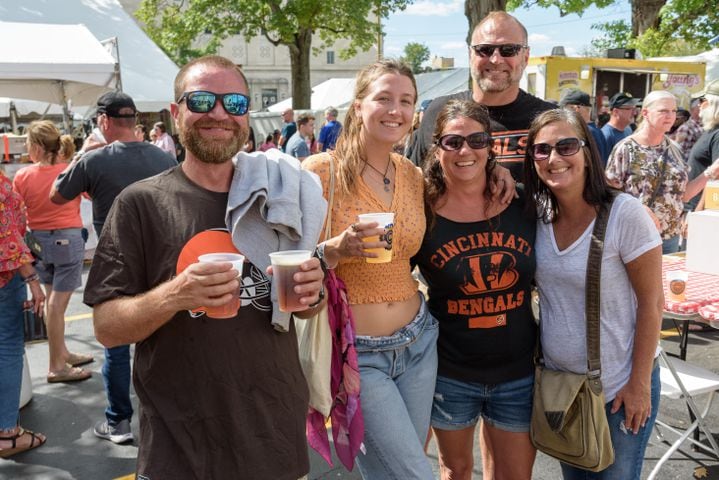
{"x": 628, "y": 448}
{"x": 397, "y": 375}
{"x": 116, "y": 376}
{"x": 670, "y": 245}
{"x": 12, "y": 349}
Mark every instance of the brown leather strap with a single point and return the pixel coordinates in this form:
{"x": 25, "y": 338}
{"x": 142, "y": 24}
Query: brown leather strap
{"x": 593, "y": 287}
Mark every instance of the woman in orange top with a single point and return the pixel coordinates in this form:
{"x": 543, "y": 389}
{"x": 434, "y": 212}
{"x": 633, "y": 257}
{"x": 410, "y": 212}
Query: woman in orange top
{"x": 58, "y": 231}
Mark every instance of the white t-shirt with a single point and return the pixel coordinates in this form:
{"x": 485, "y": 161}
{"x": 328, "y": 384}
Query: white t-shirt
{"x": 561, "y": 278}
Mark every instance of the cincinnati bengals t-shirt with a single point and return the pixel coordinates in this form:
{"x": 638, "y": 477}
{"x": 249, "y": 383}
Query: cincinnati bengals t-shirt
{"x": 479, "y": 276}
{"x": 219, "y": 398}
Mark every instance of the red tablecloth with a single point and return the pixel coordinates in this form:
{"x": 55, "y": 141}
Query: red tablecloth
{"x": 702, "y": 294}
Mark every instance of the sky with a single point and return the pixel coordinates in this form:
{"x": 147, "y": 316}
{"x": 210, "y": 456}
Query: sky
{"x": 442, "y": 26}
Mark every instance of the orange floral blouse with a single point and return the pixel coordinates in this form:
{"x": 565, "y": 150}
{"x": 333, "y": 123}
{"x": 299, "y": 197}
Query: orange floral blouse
{"x": 13, "y": 251}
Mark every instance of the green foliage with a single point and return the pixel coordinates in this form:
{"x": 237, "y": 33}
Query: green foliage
{"x": 616, "y": 34}
{"x": 185, "y": 29}
{"x": 415, "y": 54}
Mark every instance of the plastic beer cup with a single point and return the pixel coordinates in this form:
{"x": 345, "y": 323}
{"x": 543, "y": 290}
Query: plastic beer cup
{"x": 386, "y": 221}
{"x": 711, "y": 195}
{"x": 677, "y": 280}
{"x": 284, "y": 266}
{"x": 230, "y": 309}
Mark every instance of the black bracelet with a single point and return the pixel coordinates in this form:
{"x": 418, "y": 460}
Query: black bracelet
{"x": 319, "y": 299}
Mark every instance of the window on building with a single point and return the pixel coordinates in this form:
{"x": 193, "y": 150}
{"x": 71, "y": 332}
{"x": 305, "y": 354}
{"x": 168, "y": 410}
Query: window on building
{"x": 330, "y": 57}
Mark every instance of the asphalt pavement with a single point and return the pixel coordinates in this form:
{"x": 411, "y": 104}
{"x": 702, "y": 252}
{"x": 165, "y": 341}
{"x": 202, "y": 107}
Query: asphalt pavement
{"x": 66, "y": 413}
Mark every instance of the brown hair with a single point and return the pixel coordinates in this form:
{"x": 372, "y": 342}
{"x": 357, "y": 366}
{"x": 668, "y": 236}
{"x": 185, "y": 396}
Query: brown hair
{"x": 541, "y": 202}
{"x": 349, "y": 149}
{"x": 434, "y": 184}
{"x": 45, "y": 134}
{"x": 210, "y": 60}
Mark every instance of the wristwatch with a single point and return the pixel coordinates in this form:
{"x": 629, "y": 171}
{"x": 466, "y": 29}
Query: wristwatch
{"x": 319, "y": 254}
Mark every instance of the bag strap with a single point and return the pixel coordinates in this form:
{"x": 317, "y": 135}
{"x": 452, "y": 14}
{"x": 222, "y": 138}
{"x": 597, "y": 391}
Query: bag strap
{"x": 592, "y": 291}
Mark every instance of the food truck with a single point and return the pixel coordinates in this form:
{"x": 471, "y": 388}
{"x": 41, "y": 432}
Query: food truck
{"x": 547, "y": 77}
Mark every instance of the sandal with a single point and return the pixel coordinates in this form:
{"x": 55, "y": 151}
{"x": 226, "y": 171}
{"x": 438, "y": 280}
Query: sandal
{"x": 68, "y": 374}
{"x": 78, "y": 359}
{"x": 36, "y": 440}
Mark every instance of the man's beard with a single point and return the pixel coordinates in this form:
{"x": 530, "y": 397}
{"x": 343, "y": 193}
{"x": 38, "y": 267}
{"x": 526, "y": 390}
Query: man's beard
{"x": 486, "y": 84}
{"x": 214, "y": 150}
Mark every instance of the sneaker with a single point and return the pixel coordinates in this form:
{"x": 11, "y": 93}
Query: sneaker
{"x": 119, "y": 433}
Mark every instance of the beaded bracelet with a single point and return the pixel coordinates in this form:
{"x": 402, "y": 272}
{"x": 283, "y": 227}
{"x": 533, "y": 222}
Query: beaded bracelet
{"x": 31, "y": 278}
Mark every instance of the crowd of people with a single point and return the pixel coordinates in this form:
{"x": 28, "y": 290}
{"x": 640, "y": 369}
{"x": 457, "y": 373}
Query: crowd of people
{"x": 219, "y": 396}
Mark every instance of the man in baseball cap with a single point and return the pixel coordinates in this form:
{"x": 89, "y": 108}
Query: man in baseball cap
{"x": 621, "y": 107}
{"x": 577, "y": 100}
{"x": 116, "y": 105}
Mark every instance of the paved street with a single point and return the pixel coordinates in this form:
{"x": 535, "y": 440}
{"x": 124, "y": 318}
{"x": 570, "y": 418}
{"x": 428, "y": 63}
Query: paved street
{"x": 66, "y": 413}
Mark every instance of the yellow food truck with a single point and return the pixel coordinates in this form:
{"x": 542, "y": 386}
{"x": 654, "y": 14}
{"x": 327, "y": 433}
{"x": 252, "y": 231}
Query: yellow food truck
{"x": 547, "y": 77}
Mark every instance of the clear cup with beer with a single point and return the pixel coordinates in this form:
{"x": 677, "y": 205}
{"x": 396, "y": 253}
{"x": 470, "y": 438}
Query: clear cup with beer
{"x": 230, "y": 309}
{"x": 677, "y": 282}
{"x": 386, "y": 221}
{"x": 284, "y": 266}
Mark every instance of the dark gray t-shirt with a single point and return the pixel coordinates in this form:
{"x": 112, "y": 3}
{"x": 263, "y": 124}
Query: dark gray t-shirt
{"x": 105, "y": 172}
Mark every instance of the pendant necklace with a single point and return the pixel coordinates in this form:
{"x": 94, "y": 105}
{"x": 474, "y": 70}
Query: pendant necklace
{"x": 385, "y": 180}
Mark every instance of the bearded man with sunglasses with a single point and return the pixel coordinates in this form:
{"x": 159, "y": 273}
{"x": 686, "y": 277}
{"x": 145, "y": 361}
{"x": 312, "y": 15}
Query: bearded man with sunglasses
{"x": 498, "y": 56}
{"x": 103, "y": 173}
{"x": 220, "y": 397}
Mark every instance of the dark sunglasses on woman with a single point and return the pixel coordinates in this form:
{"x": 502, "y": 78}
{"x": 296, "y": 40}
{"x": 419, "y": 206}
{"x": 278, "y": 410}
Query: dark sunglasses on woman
{"x": 452, "y": 142}
{"x": 236, "y": 104}
{"x": 485, "y": 50}
{"x": 564, "y": 147}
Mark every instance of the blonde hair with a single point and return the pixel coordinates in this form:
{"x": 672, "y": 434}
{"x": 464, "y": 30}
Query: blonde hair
{"x": 45, "y": 134}
{"x": 349, "y": 149}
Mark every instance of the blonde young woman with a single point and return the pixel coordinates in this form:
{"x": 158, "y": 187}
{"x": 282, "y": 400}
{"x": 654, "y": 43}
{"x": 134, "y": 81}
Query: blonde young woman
{"x": 396, "y": 335}
{"x": 58, "y": 229}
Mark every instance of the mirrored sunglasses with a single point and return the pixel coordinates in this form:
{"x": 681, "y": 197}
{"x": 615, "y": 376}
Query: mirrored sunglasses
{"x": 236, "y": 104}
{"x": 452, "y": 141}
{"x": 564, "y": 147}
{"x": 485, "y": 50}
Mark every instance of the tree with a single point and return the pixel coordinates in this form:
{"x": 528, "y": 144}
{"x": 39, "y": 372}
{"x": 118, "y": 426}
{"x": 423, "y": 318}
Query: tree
{"x": 415, "y": 54}
{"x": 185, "y": 29}
{"x": 658, "y": 27}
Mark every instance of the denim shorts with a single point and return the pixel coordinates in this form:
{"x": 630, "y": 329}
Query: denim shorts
{"x": 506, "y": 406}
{"x": 62, "y": 256}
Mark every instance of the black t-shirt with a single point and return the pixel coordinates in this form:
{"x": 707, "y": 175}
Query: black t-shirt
{"x": 509, "y": 123}
{"x": 105, "y": 172}
{"x": 218, "y": 397}
{"x": 702, "y": 154}
{"x": 479, "y": 276}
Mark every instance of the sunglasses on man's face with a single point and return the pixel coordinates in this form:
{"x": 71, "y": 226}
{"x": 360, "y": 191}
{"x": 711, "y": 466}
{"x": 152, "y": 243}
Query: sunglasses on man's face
{"x": 452, "y": 142}
{"x": 236, "y": 104}
{"x": 564, "y": 147}
{"x": 486, "y": 50}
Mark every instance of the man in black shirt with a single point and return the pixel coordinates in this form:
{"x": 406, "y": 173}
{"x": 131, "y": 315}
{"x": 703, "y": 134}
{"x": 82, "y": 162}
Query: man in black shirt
{"x": 498, "y": 56}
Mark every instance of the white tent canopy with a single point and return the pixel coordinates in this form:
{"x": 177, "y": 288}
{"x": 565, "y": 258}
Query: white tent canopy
{"x": 335, "y": 92}
{"x": 74, "y": 66}
{"x": 147, "y": 73}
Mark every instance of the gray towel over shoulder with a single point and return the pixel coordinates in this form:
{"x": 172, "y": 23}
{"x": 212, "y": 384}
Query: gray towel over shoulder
{"x": 273, "y": 205}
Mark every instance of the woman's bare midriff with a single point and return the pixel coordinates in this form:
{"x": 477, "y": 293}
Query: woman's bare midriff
{"x": 384, "y": 319}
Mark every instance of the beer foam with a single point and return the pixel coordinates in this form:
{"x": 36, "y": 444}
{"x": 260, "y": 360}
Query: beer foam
{"x": 290, "y": 257}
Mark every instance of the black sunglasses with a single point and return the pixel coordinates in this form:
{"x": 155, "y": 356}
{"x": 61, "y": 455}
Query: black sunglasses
{"x": 485, "y": 50}
{"x": 236, "y": 104}
{"x": 452, "y": 142}
{"x": 564, "y": 147}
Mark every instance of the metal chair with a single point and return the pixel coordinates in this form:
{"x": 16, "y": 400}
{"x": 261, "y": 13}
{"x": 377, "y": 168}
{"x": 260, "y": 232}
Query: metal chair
{"x": 682, "y": 380}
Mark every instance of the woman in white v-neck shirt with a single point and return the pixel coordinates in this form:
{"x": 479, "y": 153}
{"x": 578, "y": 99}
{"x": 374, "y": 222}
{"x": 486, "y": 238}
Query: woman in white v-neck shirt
{"x": 565, "y": 178}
